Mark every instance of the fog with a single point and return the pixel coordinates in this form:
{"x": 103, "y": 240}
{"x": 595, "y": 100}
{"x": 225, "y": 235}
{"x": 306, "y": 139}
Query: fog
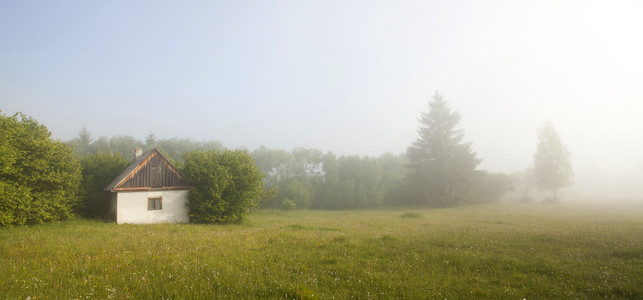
{"x": 351, "y": 77}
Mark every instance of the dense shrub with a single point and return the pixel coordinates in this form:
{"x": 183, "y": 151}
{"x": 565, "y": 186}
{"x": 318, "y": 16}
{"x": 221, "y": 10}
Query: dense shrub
{"x": 39, "y": 177}
{"x": 98, "y": 171}
{"x": 288, "y": 204}
{"x": 15, "y": 204}
{"x": 225, "y": 185}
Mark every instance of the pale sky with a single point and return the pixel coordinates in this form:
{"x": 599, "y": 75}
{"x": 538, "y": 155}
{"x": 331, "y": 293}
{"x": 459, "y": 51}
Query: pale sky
{"x": 351, "y": 77}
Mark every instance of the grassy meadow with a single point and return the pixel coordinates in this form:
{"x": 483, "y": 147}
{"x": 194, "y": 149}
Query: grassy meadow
{"x": 488, "y": 251}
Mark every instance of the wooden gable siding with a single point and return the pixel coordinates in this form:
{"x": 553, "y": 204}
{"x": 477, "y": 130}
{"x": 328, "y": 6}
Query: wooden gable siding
{"x": 154, "y": 172}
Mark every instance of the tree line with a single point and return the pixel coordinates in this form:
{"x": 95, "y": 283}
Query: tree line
{"x": 174, "y": 148}
{"x": 46, "y": 180}
{"x": 437, "y": 170}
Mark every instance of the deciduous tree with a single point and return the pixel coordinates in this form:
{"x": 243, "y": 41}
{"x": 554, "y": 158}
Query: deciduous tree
{"x": 350, "y": 182}
{"x": 39, "y": 176}
{"x": 523, "y": 182}
{"x": 552, "y": 166}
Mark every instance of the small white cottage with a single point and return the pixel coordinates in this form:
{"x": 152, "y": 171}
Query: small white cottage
{"x": 150, "y": 190}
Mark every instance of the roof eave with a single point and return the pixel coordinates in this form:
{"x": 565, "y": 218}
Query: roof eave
{"x": 139, "y": 189}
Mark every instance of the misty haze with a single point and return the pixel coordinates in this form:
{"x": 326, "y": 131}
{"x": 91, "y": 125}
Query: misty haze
{"x": 313, "y": 150}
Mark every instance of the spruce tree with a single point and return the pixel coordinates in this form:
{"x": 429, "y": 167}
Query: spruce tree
{"x": 441, "y": 167}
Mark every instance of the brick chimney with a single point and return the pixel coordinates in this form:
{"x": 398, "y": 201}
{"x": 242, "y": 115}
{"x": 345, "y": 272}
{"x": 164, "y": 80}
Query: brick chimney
{"x": 138, "y": 152}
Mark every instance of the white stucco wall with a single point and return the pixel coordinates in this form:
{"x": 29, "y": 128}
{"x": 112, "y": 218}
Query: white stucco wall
{"x": 131, "y": 207}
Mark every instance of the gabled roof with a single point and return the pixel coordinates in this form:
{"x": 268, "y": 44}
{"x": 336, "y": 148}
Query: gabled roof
{"x": 151, "y": 170}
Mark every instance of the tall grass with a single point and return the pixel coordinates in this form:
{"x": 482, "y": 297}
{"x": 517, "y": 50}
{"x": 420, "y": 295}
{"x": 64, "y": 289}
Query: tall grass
{"x": 494, "y": 251}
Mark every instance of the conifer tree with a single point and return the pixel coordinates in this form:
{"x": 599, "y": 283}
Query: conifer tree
{"x": 441, "y": 167}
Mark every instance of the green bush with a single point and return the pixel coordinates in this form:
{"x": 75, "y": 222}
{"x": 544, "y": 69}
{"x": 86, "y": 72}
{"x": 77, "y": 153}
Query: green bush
{"x": 39, "y": 176}
{"x": 225, "y": 185}
{"x": 288, "y": 204}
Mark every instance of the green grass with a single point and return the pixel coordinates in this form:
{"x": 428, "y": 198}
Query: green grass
{"x": 490, "y": 251}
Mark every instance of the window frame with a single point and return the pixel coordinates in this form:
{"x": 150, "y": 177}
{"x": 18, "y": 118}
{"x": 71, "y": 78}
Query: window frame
{"x": 154, "y": 203}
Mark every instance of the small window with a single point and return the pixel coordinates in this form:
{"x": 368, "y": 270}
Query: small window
{"x": 154, "y": 203}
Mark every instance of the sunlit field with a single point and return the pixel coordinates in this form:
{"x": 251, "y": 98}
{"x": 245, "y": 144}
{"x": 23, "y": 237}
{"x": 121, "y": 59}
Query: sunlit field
{"x": 491, "y": 251}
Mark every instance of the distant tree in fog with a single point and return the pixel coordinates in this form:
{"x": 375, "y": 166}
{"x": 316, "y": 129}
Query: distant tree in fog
{"x": 274, "y": 163}
{"x": 490, "y": 187}
{"x": 350, "y": 182}
{"x": 150, "y": 141}
{"x": 82, "y": 143}
{"x": 441, "y": 168}
{"x": 124, "y": 145}
{"x": 394, "y": 170}
{"x": 294, "y": 176}
{"x": 308, "y": 178}
{"x": 552, "y": 167}
{"x": 523, "y": 182}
